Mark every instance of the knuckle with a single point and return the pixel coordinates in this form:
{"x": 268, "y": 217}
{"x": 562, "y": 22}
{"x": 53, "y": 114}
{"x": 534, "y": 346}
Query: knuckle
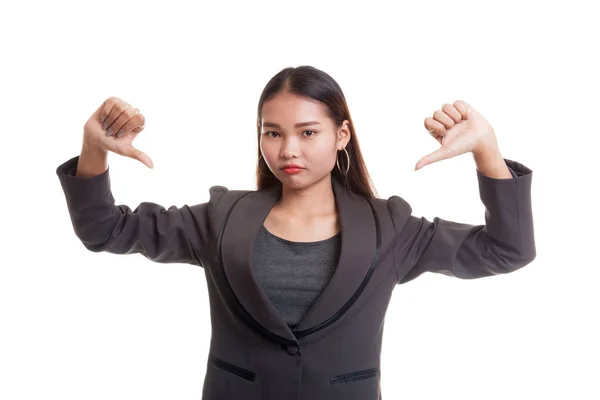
{"x": 120, "y": 106}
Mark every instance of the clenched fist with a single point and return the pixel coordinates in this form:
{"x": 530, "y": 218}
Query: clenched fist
{"x": 113, "y": 126}
{"x": 459, "y": 129}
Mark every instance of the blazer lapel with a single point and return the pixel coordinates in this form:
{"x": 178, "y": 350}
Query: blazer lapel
{"x": 357, "y": 253}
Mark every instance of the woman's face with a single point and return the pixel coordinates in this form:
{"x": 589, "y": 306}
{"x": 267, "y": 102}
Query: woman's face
{"x": 312, "y": 146}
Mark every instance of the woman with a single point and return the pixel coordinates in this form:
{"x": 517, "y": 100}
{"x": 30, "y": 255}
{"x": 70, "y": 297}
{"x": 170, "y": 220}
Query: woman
{"x": 301, "y": 270}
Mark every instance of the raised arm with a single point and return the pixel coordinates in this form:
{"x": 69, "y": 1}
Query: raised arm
{"x": 504, "y": 244}
{"x": 173, "y": 235}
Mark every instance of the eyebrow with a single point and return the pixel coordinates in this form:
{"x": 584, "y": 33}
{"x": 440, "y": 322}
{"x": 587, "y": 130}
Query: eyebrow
{"x": 298, "y": 125}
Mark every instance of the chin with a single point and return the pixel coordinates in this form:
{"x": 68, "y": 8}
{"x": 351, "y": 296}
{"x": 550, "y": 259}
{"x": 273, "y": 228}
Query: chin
{"x": 293, "y": 182}
{"x": 297, "y": 183}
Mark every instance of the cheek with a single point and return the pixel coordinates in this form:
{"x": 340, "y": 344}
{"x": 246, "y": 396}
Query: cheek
{"x": 321, "y": 155}
{"x": 270, "y": 155}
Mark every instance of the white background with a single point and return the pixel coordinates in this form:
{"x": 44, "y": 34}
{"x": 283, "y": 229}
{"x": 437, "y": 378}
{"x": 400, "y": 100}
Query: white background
{"x": 81, "y": 325}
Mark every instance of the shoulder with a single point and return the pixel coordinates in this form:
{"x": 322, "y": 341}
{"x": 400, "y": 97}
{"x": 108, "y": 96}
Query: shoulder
{"x": 217, "y": 191}
{"x": 222, "y": 195}
{"x": 220, "y": 190}
{"x": 398, "y": 208}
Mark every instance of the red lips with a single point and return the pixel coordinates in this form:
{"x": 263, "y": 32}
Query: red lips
{"x": 293, "y": 166}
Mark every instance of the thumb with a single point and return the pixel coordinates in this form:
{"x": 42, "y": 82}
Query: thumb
{"x": 440, "y": 154}
{"x": 139, "y": 155}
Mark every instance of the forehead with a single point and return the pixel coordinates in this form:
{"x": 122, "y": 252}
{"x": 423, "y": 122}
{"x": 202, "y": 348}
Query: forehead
{"x": 289, "y": 108}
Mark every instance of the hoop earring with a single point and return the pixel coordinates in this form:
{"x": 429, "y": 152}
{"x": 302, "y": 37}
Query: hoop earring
{"x": 337, "y": 161}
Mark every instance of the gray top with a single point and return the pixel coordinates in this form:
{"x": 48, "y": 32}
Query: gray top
{"x": 293, "y": 274}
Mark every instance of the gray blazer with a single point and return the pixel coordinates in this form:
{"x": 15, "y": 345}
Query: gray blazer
{"x": 334, "y": 351}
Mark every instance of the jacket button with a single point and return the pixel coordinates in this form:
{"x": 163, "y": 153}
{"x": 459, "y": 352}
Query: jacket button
{"x": 292, "y": 349}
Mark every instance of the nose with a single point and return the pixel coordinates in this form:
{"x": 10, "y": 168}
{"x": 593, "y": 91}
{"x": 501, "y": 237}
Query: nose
{"x": 290, "y": 148}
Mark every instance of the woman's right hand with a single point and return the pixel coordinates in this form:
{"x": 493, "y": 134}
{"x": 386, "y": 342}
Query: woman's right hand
{"x": 103, "y": 130}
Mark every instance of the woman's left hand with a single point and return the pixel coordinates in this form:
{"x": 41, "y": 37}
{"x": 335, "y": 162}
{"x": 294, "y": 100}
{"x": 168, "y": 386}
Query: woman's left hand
{"x": 459, "y": 128}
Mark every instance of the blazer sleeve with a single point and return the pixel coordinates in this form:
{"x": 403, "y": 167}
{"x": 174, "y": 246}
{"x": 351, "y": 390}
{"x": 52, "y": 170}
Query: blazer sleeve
{"x": 173, "y": 235}
{"x": 504, "y": 244}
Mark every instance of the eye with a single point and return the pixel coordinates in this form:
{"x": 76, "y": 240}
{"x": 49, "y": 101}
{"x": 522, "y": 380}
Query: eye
{"x": 267, "y": 133}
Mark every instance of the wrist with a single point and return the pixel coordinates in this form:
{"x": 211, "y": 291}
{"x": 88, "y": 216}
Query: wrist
{"x": 486, "y": 154}
{"x": 93, "y": 161}
{"x": 491, "y": 164}
{"x": 92, "y": 149}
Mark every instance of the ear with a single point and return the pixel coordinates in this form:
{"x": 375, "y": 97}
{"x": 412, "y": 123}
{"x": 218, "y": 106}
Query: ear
{"x": 343, "y": 135}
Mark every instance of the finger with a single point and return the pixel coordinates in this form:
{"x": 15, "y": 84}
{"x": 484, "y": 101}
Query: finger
{"x": 441, "y": 154}
{"x": 139, "y": 155}
{"x": 452, "y": 112}
{"x": 138, "y": 129}
{"x": 128, "y": 120}
{"x": 121, "y": 120}
{"x": 463, "y": 108}
{"x": 105, "y": 108}
{"x": 434, "y": 126}
{"x": 127, "y": 129}
{"x": 131, "y": 126}
{"x": 134, "y": 126}
{"x": 442, "y": 117}
{"x": 117, "y": 106}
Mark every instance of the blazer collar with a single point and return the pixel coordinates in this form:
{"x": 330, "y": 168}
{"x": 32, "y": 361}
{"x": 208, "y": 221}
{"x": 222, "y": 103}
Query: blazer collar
{"x": 358, "y": 251}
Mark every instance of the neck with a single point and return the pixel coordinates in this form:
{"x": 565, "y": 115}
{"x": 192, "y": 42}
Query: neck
{"x": 315, "y": 200}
